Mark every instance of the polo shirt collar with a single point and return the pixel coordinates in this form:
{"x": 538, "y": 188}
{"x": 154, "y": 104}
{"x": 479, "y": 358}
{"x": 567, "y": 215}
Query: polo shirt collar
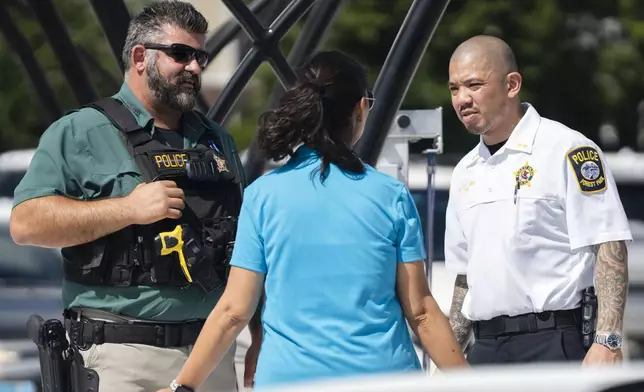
{"x": 304, "y": 151}
{"x": 143, "y": 117}
{"x": 521, "y": 139}
{"x": 191, "y": 124}
{"x": 193, "y": 128}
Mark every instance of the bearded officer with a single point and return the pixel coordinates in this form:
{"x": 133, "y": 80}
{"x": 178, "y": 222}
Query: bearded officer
{"x": 534, "y": 219}
{"x": 106, "y": 180}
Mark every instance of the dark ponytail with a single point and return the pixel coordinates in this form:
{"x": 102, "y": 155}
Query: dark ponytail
{"x": 317, "y": 112}
{"x": 299, "y": 115}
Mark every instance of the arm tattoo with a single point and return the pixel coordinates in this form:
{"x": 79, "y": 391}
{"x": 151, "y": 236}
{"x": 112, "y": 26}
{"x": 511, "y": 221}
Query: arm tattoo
{"x": 611, "y": 281}
{"x": 460, "y": 325}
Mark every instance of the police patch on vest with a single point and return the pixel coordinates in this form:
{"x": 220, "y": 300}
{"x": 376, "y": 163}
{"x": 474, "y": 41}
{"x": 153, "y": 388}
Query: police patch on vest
{"x": 167, "y": 163}
{"x": 589, "y": 169}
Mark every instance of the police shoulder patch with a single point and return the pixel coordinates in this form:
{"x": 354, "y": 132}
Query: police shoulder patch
{"x": 586, "y": 162}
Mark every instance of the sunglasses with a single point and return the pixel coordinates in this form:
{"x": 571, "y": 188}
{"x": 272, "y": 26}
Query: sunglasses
{"x": 182, "y": 53}
{"x": 371, "y": 100}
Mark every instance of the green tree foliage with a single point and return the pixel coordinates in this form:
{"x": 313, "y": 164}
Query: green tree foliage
{"x": 581, "y": 62}
{"x": 21, "y": 118}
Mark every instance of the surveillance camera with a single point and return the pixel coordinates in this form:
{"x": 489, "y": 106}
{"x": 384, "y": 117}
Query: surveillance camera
{"x": 403, "y": 121}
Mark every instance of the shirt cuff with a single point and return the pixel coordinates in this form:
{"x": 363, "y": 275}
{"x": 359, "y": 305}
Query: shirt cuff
{"x": 456, "y": 267}
{"x": 249, "y": 265}
{"x": 29, "y": 194}
{"x": 580, "y": 242}
{"x": 411, "y": 256}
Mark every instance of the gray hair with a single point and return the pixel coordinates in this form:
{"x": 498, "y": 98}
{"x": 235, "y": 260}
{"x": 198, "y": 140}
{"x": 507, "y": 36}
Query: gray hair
{"x": 147, "y": 26}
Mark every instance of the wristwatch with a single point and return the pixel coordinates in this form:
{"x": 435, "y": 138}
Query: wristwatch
{"x": 176, "y": 387}
{"x": 611, "y": 340}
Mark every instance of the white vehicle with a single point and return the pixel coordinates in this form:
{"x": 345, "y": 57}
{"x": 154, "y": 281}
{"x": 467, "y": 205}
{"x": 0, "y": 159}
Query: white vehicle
{"x": 567, "y": 377}
{"x": 13, "y": 166}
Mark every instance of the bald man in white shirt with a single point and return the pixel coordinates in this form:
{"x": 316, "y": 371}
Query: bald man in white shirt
{"x": 533, "y": 220}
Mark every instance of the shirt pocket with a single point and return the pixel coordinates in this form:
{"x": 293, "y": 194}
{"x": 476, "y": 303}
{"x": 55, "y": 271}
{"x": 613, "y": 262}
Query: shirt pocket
{"x": 534, "y": 217}
{"x": 119, "y": 182}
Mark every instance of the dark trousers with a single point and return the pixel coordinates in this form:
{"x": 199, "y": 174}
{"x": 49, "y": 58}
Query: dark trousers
{"x": 563, "y": 344}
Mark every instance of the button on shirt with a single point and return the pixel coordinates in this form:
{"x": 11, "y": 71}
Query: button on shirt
{"x": 521, "y": 223}
{"x": 330, "y": 252}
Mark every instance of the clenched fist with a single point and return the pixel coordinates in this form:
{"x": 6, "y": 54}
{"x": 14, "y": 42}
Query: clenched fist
{"x": 155, "y": 201}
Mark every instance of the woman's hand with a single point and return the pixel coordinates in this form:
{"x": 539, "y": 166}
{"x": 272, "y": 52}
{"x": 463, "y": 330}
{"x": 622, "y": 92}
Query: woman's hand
{"x": 425, "y": 316}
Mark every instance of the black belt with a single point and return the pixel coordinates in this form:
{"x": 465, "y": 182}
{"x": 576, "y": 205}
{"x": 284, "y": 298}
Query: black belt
{"x": 527, "y": 323}
{"x": 86, "y": 332}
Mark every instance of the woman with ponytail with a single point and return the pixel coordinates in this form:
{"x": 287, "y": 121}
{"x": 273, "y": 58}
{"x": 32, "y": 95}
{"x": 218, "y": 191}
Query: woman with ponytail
{"x": 335, "y": 246}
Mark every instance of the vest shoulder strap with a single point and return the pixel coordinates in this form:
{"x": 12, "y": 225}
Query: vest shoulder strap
{"x": 121, "y": 117}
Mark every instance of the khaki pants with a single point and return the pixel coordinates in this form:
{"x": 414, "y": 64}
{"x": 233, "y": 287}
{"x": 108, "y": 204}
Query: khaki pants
{"x": 142, "y": 368}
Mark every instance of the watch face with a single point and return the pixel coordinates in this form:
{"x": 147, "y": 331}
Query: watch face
{"x": 613, "y": 341}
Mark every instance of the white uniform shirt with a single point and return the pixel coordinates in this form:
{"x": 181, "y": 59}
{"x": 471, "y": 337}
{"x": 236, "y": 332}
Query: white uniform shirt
{"x": 521, "y": 223}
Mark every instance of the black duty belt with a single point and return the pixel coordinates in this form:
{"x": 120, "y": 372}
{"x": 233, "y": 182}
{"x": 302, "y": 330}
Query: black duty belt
{"x": 86, "y": 332}
{"x": 527, "y": 323}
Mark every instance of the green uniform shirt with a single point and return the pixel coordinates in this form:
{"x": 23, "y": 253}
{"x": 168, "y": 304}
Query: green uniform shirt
{"x": 82, "y": 156}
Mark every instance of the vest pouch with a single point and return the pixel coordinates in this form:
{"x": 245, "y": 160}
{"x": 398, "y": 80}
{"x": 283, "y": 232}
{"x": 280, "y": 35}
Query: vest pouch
{"x": 87, "y": 263}
{"x": 219, "y": 231}
{"x": 165, "y": 271}
{"x": 204, "y": 273}
{"x": 219, "y": 238}
{"x": 199, "y": 261}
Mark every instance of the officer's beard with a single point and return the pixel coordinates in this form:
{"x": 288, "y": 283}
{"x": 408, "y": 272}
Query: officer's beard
{"x": 174, "y": 96}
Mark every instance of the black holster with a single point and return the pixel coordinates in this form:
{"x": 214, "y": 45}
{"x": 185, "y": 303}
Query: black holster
{"x": 588, "y": 316}
{"x": 201, "y": 262}
{"x": 61, "y": 365}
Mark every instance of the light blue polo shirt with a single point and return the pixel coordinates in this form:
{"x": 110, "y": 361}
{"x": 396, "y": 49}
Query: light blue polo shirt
{"x": 329, "y": 251}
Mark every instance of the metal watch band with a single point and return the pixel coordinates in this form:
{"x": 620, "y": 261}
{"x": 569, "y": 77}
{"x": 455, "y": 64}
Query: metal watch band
{"x": 612, "y": 341}
{"x": 176, "y": 387}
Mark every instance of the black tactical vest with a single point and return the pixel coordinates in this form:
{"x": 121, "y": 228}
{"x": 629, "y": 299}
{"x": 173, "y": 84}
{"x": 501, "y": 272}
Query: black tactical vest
{"x": 211, "y": 181}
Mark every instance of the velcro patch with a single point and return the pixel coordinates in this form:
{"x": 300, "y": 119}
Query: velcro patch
{"x": 168, "y": 163}
{"x": 589, "y": 169}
